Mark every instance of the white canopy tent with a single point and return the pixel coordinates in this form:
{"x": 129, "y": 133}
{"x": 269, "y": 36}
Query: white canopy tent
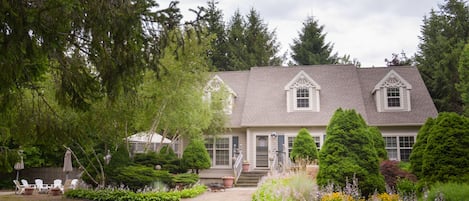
{"x": 151, "y": 140}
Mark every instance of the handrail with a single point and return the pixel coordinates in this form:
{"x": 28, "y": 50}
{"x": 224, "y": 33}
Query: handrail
{"x": 238, "y": 166}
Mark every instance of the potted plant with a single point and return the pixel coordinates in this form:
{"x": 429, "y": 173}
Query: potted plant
{"x": 28, "y": 190}
{"x": 245, "y": 166}
{"x": 228, "y": 181}
{"x": 55, "y": 191}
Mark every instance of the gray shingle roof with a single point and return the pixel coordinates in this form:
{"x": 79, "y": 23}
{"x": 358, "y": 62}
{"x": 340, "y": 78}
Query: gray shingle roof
{"x": 261, "y": 100}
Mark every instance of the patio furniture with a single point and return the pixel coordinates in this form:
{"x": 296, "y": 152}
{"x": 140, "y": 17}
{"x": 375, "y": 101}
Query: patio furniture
{"x": 58, "y": 185}
{"x": 26, "y": 184}
{"x": 41, "y": 187}
{"x": 19, "y": 189}
{"x": 74, "y": 184}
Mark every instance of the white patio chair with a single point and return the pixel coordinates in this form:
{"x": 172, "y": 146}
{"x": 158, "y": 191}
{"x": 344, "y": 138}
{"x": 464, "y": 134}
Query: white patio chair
{"x": 74, "y": 184}
{"x": 26, "y": 184}
{"x": 19, "y": 188}
{"x": 58, "y": 184}
{"x": 41, "y": 187}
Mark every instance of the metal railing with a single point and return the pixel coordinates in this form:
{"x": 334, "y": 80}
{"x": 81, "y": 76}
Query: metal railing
{"x": 238, "y": 166}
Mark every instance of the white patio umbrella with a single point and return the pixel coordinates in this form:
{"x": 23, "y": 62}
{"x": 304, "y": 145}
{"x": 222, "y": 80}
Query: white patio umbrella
{"x": 67, "y": 163}
{"x": 19, "y": 166}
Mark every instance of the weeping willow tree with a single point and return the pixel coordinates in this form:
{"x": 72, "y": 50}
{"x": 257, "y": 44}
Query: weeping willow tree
{"x": 71, "y": 71}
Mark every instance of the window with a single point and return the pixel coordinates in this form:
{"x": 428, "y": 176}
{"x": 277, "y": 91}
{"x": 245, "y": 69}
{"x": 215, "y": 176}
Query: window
{"x": 219, "y": 150}
{"x": 394, "y": 97}
{"x": 399, "y": 150}
{"x": 302, "y": 94}
{"x": 302, "y": 98}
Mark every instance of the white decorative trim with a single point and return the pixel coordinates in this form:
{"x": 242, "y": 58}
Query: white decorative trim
{"x": 302, "y": 80}
{"x": 392, "y": 79}
{"x": 215, "y": 84}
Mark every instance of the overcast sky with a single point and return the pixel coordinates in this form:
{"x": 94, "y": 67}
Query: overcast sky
{"x": 369, "y": 30}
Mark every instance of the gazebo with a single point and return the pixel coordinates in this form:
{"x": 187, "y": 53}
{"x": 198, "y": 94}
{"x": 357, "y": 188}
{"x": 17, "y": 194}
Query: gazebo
{"x": 150, "y": 140}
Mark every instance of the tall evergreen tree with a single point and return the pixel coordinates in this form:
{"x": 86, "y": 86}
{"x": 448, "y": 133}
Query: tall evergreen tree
{"x": 310, "y": 48}
{"x": 463, "y": 85}
{"x": 261, "y": 44}
{"x": 444, "y": 34}
{"x": 216, "y": 26}
{"x": 237, "y": 49}
{"x": 250, "y": 43}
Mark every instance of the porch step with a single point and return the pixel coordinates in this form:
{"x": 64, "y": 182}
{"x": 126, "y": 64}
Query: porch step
{"x": 250, "y": 179}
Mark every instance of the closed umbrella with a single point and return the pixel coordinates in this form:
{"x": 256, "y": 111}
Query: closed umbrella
{"x": 19, "y": 166}
{"x": 67, "y": 163}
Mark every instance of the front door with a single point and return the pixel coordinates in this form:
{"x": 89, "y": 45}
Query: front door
{"x": 262, "y": 151}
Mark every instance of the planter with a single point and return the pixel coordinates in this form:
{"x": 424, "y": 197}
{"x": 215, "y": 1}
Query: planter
{"x": 245, "y": 167}
{"x": 28, "y": 191}
{"x": 55, "y": 191}
{"x": 228, "y": 181}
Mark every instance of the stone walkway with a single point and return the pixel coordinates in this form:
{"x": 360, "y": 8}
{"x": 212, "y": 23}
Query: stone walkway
{"x": 235, "y": 194}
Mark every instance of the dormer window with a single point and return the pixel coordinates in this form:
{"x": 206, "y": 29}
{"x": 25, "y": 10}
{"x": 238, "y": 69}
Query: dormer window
{"x": 302, "y": 93}
{"x": 216, "y": 84}
{"x": 392, "y": 93}
{"x": 393, "y": 97}
{"x": 302, "y": 98}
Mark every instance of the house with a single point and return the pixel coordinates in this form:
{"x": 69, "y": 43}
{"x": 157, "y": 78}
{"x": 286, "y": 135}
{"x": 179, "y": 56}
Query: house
{"x": 269, "y": 105}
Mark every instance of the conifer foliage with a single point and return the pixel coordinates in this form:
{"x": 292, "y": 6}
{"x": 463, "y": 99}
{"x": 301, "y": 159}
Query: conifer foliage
{"x": 304, "y": 147}
{"x": 349, "y": 152}
{"x": 195, "y": 156}
{"x": 442, "y": 149}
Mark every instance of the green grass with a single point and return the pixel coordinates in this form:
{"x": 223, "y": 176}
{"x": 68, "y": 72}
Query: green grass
{"x": 450, "y": 191}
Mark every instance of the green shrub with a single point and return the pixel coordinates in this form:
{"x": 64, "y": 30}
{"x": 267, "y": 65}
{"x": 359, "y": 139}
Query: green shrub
{"x": 406, "y": 187}
{"x": 449, "y": 191}
{"x": 123, "y": 195}
{"x": 137, "y": 177}
{"x": 378, "y": 143}
{"x": 349, "y": 152}
{"x": 442, "y": 151}
{"x": 195, "y": 156}
{"x": 166, "y": 158}
{"x": 186, "y": 179}
{"x": 304, "y": 148}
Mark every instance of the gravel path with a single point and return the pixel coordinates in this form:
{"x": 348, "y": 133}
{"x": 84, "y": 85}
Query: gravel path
{"x": 235, "y": 194}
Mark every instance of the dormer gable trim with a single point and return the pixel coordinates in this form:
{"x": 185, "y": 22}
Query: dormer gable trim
{"x": 392, "y": 79}
{"x": 302, "y": 80}
{"x": 216, "y": 83}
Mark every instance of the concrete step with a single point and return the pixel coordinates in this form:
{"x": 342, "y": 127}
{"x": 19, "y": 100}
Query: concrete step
{"x": 250, "y": 179}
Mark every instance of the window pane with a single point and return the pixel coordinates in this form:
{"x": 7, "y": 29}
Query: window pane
{"x": 393, "y": 96}
{"x": 222, "y": 157}
{"x": 390, "y": 141}
{"x": 318, "y": 141}
{"x": 302, "y": 98}
{"x": 290, "y": 144}
{"x": 405, "y": 153}
{"x": 407, "y": 141}
{"x": 302, "y": 103}
{"x": 223, "y": 143}
{"x": 392, "y": 154}
{"x": 302, "y": 93}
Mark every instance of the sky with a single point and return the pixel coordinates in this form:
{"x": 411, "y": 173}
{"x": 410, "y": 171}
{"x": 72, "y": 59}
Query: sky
{"x": 368, "y": 30}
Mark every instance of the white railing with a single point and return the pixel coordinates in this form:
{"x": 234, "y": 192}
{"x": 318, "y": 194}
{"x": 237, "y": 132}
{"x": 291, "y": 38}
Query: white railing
{"x": 238, "y": 166}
